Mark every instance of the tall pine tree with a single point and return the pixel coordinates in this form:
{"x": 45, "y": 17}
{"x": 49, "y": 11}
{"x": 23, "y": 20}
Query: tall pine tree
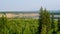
{"x": 46, "y": 24}
{"x": 58, "y": 23}
{"x": 40, "y": 20}
{"x": 53, "y": 25}
{"x": 44, "y": 21}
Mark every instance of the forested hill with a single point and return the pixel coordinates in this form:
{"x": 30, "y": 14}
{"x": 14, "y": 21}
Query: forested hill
{"x": 54, "y": 11}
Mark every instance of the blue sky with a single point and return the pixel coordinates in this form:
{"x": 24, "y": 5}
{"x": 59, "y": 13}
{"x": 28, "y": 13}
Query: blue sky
{"x": 28, "y": 5}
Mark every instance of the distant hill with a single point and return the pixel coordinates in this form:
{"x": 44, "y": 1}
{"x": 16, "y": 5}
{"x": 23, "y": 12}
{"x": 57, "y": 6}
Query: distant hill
{"x": 54, "y": 11}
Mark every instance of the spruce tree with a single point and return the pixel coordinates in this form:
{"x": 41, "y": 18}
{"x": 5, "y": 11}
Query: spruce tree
{"x": 46, "y": 25}
{"x": 40, "y": 20}
{"x": 48, "y": 22}
{"x": 58, "y": 23}
{"x": 53, "y": 25}
{"x": 44, "y": 21}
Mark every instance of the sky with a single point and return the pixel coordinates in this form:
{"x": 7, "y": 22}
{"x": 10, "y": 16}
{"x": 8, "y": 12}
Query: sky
{"x": 28, "y": 5}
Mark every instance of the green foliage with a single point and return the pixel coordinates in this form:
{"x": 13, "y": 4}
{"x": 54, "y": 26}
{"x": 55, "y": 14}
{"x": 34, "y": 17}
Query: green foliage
{"x": 58, "y": 23}
{"x": 18, "y": 26}
{"x": 44, "y": 21}
{"x": 29, "y": 26}
{"x": 22, "y": 26}
{"x": 58, "y": 32}
{"x": 40, "y": 20}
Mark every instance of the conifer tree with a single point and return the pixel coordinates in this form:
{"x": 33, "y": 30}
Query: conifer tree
{"x": 46, "y": 26}
{"x": 44, "y": 21}
{"x": 53, "y": 25}
{"x": 40, "y": 20}
{"x": 47, "y": 20}
{"x": 58, "y": 23}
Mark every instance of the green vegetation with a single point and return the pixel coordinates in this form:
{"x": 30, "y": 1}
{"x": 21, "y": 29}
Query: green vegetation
{"x": 44, "y": 20}
{"x": 18, "y": 26}
{"x": 47, "y": 25}
{"x": 21, "y": 26}
{"x": 43, "y": 25}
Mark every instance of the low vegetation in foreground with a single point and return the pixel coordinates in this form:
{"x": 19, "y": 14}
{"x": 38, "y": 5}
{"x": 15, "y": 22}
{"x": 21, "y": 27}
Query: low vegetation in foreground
{"x": 18, "y": 26}
{"x": 21, "y": 26}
